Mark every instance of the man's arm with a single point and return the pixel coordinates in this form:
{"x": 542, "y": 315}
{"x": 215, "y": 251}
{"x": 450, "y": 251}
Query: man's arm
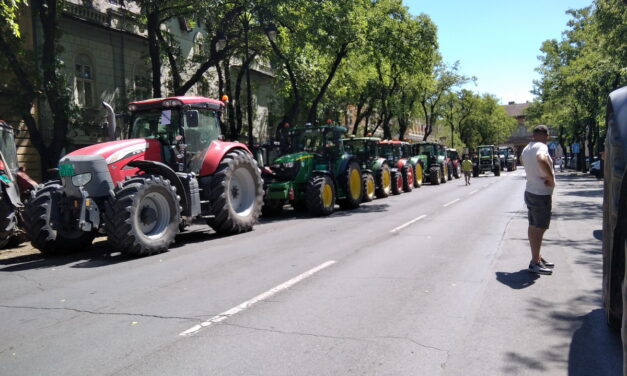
{"x": 546, "y": 167}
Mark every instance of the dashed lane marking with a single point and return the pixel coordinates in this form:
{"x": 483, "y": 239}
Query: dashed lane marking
{"x": 249, "y": 303}
{"x": 473, "y": 192}
{"x": 399, "y": 228}
{"x": 451, "y": 203}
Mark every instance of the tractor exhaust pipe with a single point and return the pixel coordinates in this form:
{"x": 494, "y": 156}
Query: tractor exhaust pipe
{"x": 110, "y": 122}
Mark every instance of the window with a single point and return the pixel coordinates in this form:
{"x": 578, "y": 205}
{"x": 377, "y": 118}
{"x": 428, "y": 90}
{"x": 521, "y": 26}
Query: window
{"x": 83, "y": 82}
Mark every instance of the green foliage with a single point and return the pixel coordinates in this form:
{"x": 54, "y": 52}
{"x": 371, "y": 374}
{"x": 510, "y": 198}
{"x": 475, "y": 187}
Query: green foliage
{"x": 8, "y": 16}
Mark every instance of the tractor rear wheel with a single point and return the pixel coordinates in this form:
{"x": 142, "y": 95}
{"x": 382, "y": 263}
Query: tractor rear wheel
{"x": 369, "y": 187}
{"x": 8, "y": 220}
{"x": 272, "y": 208}
{"x": 47, "y": 237}
{"x": 443, "y": 174}
{"x": 456, "y": 173}
{"x": 320, "y": 195}
{"x": 353, "y": 187}
{"x": 434, "y": 175}
{"x": 236, "y": 194}
{"x": 497, "y": 170}
{"x": 418, "y": 175}
{"x": 144, "y": 217}
{"x": 408, "y": 177}
{"x": 383, "y": 181}
{"x": 475, "y": 172}
{"x": 397, "y": 182}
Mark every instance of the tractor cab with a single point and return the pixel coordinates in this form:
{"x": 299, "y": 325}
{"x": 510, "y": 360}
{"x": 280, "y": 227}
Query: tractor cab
{"x": 184, "y": 130}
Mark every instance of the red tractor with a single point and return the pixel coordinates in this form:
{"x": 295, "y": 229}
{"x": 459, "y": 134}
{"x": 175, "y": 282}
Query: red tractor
{"x": 402, "y": 169}
{"x": 173, "y": 169}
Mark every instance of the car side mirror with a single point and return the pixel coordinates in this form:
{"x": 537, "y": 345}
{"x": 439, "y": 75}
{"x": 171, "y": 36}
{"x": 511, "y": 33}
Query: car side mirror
{"x": 191, "y": 118}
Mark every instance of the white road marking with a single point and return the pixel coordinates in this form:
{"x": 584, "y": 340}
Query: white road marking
{"x": 451, "y": 203}
{"x": 399, "y": 228}
{"x": 473, "y": 192}
{"x": 247, "y": 304}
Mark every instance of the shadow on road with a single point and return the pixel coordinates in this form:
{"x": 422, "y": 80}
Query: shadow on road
{"x": 517, "y": 280}
{"x": 598, "y": 234}
{"x": 291, "y": 214}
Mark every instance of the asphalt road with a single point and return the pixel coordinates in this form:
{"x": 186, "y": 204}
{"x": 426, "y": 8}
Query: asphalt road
{"x": 426, "y": 283}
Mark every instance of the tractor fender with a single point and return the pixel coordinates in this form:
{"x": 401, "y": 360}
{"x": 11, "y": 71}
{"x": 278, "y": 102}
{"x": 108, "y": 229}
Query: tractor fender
{"x": 216, "y": 152}
{"x": 344, "y": 163}
{"x": 158, "y": 168}
{"x": 325, "y": 173}
{"x": 378, "y": 163}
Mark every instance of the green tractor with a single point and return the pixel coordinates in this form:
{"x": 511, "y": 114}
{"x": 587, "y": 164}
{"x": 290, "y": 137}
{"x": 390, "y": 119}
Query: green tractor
{"x": 433, "y": 156}
{"x": 417, "y": 161}
{"x": 508, "y": 158}
{"x": 315, "y": 174}
{"x": 487, "y": 159}
{"x": 377, "y": 175}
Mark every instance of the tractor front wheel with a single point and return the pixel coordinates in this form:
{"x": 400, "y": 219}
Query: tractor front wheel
{"x": 497, "y": 170}
{"x": 236, "y": 194}
{"x": 369, "y": 187}
{"x": 320, "y": 195}
{"x": 397, "y": 183}
{"x": 352, "y": 187}
{"x": 434, "y": 175}
{"x": 383, "y": 181}
{"x": 49, "y": 238}
{"x": 408, "y": 177}
{"x": 418, "y": 176}
{"x": 144, "y": 217}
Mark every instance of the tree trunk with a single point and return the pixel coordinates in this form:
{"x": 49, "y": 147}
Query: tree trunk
{"x": 154, "y": 51}
{"x": 313, "y": 109}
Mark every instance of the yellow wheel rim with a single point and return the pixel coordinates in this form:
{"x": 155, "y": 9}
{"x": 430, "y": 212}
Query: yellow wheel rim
{"x": 387, "y": 180}
{"x": 370, "y": 187}
{"x": 355, "y": 184}
{"x": 327, "y": 196}
{"x": 419, "y": 173}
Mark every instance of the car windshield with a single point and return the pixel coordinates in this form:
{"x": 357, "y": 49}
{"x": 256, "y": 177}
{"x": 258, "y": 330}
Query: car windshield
{"x": 7, "y": 147}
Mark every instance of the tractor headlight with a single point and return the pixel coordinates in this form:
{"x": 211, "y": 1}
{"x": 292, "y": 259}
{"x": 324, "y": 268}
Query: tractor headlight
{"x": 81, "y": 179}
{"x": 288, "y": 164}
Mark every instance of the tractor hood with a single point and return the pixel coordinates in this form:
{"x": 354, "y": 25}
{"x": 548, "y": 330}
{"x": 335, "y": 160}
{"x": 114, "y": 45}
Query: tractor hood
{"x": 115, "y": 151}
{"x": 296, "y": 157}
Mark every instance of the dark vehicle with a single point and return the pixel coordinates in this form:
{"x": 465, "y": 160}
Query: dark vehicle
{"x": 615, "y": 214}
{"x": 507, "y": 156}
{"x": 435, "y": 165}
{"x": 377, "y": 175}
{"x": 402, "y": 169}
{"x": 487, "y": 159}
{"x": 315, "y": 174}
{"x": 14, "y": 187}
{"x": 455, "y": 163}
{"x": 173, "y": 169}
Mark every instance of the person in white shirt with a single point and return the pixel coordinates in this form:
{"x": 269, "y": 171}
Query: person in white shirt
{"x": 538, "y": 193}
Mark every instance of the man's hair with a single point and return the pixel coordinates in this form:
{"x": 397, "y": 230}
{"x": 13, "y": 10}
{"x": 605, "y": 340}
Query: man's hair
{"x": 541, "y": 129}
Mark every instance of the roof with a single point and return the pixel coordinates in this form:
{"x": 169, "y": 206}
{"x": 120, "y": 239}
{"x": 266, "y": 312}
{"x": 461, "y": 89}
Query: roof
{"x": 361, "y": 139}
{"x": 516, "y": 109}
{"x": 393, "y": 142}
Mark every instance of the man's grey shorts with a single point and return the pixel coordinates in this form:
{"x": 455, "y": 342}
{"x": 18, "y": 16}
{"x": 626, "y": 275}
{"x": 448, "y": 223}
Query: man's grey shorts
{"x": 539, "y": 209}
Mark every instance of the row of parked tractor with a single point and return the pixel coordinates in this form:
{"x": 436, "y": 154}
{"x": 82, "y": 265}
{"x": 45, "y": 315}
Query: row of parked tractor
{"x": 173, "y": 168}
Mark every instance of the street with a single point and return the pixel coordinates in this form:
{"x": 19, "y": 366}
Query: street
{"x": 432, "y": 282}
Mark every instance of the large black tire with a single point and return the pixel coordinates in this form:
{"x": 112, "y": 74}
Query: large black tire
{"x": 443, "y": 173}
{"x": 383, "y": 180}
{"x": 353, "y": 187}
{"x": 449, "y": 171}
{"x": 320, "y": 195}
{"x": 47, "y": 237}
{"x": 475, "y": 172}
{"x": 236, "y": 194}
{"x": 368, "y": 187}
{"x": 497, "y": 170}
{"x": 408, "y": 177}
{"x": 300, "y": 206}
{"x": 8, "y": 219}
{"x": 434, "y": 175}
{"x": 272, "y": 208}
{"x": 144, "y": 217}
{"x": 397, "y": 182}
{"x": 456, "y": 173}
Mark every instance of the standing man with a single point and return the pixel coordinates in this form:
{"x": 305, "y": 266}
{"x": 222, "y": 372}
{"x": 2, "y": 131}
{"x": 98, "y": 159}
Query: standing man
{"x": 540, "y": 185}
{"x": 467, "y": 168}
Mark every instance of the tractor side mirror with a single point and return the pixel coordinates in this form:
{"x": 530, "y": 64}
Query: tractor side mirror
{"x": 191, "y": 118}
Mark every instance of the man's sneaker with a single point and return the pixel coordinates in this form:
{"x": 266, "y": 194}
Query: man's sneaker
{"x": 547, "y": 263}
{"x": 539, "y": 269}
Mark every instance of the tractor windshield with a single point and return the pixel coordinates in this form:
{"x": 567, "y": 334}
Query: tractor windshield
{"x": 7, "y": 148}
{"x": 391, "y": 152}
{"x": 360, "y": 149}
{"x": 428, "y": 149}
{"x": 485, "y": 152}
{"x": 312, "y": 140}
{"x": 160, "y": 124}
{"x": 199, "y": 138}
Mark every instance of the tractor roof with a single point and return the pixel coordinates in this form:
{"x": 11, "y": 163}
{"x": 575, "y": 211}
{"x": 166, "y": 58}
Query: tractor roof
{"x": 320, "y": 127}
{"x": 485, "y": 146}
{"x": 375, "y": 139}
{"x": 202, "y": 102}
{"x": 393, "y": 142}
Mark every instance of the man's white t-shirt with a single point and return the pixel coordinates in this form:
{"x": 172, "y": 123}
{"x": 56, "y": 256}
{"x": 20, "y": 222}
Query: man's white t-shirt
{"x": 535, "y": 181}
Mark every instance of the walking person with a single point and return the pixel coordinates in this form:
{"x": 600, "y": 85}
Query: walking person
{"x": 467, "y": 168}
{"x": 538, "y": 192}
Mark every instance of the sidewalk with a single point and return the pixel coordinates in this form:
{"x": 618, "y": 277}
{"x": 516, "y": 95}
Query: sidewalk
{"x": 559, "y": 326}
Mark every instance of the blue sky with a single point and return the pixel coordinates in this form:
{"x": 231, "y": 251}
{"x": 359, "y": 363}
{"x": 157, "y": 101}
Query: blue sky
{"x": 497, "y": 41}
